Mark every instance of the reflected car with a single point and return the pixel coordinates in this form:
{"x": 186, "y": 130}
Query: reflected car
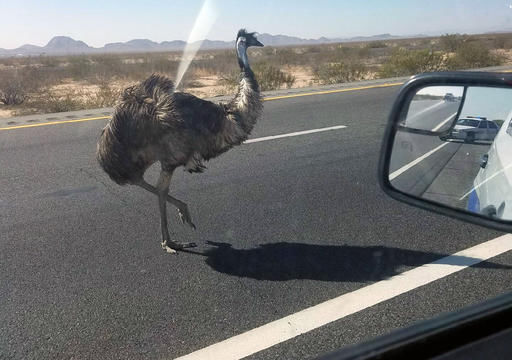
{"x": 449, "y": 97}
{"x": 491, "y": 193}
{"x": 473, "y": 128}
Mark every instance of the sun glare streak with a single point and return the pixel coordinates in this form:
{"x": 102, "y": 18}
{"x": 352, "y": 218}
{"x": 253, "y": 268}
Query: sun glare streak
{"x": 204, "y": 22}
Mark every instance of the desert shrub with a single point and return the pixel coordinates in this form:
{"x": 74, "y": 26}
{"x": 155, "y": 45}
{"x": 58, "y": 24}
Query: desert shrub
{"x": 376, "y": 45}
{"x": 229, "y": 80}
{"x": 49, "y": 61}
{"x": 12, "y": 89}
{"x": 108, "y": 67}
{"x": 288, "y": 56}
{"x": 80, "y": 67}
{"x": 451, "y": 42}
{"x": 500, "y": 43}
{"x": 313, "y": 49}
{"x": 51, "y": 102}
{"x": 12, "y": 94}
{"x": 405, "y": 62}
{"x": 272, "y": 78}
{"x": 106, "y": 96}
{"x": 335, "y": 73}
{"x": 269, "y": 78}
{"x": 363, "y": 52}
{"x": 470, "y": 56}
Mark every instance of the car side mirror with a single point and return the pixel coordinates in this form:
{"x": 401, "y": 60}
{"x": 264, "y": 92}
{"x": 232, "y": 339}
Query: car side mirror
{"x": 448, "y": 146}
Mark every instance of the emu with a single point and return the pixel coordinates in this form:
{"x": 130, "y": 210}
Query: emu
{"x": 153, "y": 123}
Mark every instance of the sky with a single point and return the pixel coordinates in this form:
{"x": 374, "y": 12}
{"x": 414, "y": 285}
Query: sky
{"x": 493, "y": 103}
{"x": 99, "y": 22}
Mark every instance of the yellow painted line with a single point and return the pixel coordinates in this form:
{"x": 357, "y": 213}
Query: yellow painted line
{"x": 265, "y": 99}
{"x": 54, "y": 123}
{"x": 332, "y": 91}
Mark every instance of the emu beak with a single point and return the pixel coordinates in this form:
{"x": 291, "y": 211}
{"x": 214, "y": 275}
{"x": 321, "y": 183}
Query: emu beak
{"x": 257, "y": 43}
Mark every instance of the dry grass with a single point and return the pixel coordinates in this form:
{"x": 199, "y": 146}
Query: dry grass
{"x": 48, "y": 84}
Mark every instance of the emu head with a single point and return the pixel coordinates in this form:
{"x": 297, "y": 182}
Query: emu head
{"x": 246, "y": 39}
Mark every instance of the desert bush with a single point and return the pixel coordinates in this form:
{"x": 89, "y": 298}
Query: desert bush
{"x": 51, "y": 102}
{"x": 12, "y": 94}
{"x": 12, "y": 90}
{"x": 500, "y": 43}
{"x": 469, "y": 56}
{"x": 335, "y": 73}
{"x": 363, "y": 52}
{"x": 405, "y": 62}
{"x": 272, "y": 78}
{"x": 80, "y": 67}
{"x": 106, "y": 96}
{"x": 451, "y": 42}
{"x": 229, "y": 80}
{"x": 375, "y": 45}
{"x": 269, "y": 78}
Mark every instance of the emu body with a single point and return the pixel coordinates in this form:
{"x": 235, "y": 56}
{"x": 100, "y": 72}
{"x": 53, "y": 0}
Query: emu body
{"x": 153, "y": 123}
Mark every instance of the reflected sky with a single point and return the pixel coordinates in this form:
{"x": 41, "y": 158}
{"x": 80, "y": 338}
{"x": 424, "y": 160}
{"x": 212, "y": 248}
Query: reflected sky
{"x": 441, "y": 90}
{"x": 492, "y": 103}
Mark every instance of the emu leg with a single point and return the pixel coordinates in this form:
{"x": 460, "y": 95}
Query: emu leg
{"x": 162, "y": 189}
{"x": 183, "y": 212}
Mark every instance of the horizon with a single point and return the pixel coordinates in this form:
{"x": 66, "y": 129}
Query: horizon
{"x": 159, "y": 42}
{"x": 98, "y": 23}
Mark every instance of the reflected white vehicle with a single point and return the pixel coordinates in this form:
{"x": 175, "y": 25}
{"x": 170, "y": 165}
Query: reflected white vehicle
{"x": 473, "y": 128}
{"x": 492, "y": 188}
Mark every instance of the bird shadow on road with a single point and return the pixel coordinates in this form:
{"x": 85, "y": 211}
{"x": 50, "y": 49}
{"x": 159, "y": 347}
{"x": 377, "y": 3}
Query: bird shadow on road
{"x": 287, "y": 261}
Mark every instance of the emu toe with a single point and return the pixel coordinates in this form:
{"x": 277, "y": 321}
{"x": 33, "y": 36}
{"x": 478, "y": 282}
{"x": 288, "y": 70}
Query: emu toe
{"x": 172, "y": 247}
{"x": 185, "y": 218}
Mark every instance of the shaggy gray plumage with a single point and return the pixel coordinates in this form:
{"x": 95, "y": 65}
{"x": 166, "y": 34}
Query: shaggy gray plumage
{"x": 152, "y": 122}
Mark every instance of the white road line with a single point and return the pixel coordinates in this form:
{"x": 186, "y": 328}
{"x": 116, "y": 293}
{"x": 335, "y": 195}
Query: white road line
{"x": 324, "y": 313}
{"x": 415, "y": 115}
{"x": 404, "y": 168}
{"x": 298, "y": 133}
{"x": 444, "y": 122}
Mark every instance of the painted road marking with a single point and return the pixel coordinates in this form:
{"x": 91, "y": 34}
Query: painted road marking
{"x": 332, "y": 91}
{"x": 298, "y": 133}
{"x": 444, "y": 122}
{"x": 324, "y": 313}
{"x": 55, "y": 123}
{"x": 404, "y": 168}
{"x": 265, "y": 99}
{"x": 409, "y": 118}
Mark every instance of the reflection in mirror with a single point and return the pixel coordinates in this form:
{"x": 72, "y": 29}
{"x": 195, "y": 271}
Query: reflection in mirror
{"x": 454, "y": 146}
{"x": 433, "y": 107}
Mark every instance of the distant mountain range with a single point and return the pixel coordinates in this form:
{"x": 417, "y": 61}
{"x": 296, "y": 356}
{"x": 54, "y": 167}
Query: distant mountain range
{"x": 63, "y": 45}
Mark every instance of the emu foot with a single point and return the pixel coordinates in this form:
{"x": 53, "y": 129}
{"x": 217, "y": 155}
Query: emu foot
{"x": 172, "y": 247}
{"x": 185, "y": 218}
{"x": 198, "y": 168}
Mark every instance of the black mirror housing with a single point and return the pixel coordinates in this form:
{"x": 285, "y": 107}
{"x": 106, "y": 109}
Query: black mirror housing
{"x": 396, "y": 123}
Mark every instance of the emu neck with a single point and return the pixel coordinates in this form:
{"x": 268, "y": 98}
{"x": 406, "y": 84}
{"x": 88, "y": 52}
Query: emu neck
{"x": 241, "y": 52}
{"x": 247, "y": 102}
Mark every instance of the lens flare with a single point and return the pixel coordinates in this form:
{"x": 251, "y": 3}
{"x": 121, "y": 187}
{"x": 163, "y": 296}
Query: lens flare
{"x": 204, "y": 22}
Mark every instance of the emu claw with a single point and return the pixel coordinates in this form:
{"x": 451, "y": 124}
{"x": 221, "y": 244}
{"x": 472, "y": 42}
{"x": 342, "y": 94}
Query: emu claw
{"x": 185, "y": 217}
{"x": 172, "y": 247}
{"x": 199, "y": 168}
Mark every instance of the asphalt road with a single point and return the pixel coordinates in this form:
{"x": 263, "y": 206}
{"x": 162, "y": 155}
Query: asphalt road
{"x": 282, "y": 225}
{"x": 429, "y": 115}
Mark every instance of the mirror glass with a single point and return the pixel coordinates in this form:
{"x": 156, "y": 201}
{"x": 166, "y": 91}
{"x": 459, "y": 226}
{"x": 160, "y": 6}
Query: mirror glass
{"x": 453, "y": 145}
